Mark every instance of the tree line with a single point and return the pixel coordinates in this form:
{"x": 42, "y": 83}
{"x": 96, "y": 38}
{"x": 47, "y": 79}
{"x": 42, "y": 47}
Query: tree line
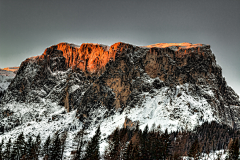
{"x": 33, "y": 149}
{"x": 2, "y": 94}
{"x": 128, "y": 144}
{"x": 206, "y": 138}
{"x": 154, "y": 144}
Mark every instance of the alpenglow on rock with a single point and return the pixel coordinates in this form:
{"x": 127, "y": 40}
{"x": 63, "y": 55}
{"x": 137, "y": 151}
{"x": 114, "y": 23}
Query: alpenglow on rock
{"x": 179, "y": 82}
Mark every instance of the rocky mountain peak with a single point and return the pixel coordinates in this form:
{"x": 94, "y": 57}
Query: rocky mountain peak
{"x": 88, "y": 57}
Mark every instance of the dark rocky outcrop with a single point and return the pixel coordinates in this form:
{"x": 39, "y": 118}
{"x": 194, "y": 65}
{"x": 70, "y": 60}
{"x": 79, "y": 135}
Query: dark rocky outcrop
{"x": 129, "y": 124}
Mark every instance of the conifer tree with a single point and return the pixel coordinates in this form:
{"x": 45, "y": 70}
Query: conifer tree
{"x": 128, "y": 152}
{"x": 135, "y": 153}
{"x": 55, "y": 149}
{"x": 1, "y": 149}
{"x": 122, "y": 142}
{"x": 166, "y": 144}
{"x": 46, "y": 147}
{"x": 20, "y": 144}
{"x": 152, "y": 145}
{"x": 7, "y": 151}
{"x": 194, "y": 150}
{"x": 37, "y": 147}
{"x": 145, "y": 131}
{"x": 63, "y": 143}
{"x": 137, "y": 127}
{"x": 112, "y": 151}
{"x": 79, "y": 142}
{"x": 14, "y": 152}
{"x": 92, "y": 151}
{"x": 144, "y": 143}
{"x": 236, "y": 149}
{"x": 29, "y": 148}
{"x": 233, "y": 149}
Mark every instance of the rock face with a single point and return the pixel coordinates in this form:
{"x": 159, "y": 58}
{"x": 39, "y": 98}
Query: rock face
{"x": 93, "y": 76}
{"x": 129, "y": 124}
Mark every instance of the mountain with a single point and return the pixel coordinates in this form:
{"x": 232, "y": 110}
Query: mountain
{"x": 6, "y": 76}
{"x": 176, "y": 85}
{"x": 12, "y": 69}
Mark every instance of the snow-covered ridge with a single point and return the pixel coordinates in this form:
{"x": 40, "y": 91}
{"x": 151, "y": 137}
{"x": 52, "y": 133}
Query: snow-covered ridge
{"x": 12, "y": 69}
{"x": 6, "y": 76}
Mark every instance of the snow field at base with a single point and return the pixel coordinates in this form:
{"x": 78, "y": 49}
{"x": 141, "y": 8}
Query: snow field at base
{"x": 160, "y": 109}
{"x": 211, "y": 156}
{"x": 47, "y": 126}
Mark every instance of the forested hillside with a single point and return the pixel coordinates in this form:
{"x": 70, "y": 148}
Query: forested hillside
{"x": 127, "y": 144}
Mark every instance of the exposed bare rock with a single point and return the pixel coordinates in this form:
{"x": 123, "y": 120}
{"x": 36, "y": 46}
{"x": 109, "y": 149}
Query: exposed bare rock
{"x": 129, "y": 124}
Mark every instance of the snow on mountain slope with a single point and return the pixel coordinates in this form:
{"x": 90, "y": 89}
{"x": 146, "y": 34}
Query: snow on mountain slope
{"x": 46, "y": 119}
{"x": 163, "y": 107}
{"x": 4, "y": 82}
{"x": 220, "y": 154}
{"x": 6, "y": 76}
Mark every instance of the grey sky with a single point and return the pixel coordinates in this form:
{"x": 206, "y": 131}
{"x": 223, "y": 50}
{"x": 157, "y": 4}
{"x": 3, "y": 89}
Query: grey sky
{"x": 27, "y": 27}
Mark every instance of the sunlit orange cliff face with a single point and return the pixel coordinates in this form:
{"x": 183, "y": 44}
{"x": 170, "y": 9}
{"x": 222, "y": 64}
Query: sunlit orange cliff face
{"x": 183, "y": 45}
{"x": 12, "y": 69}
{"x": 93, "y": 57}
{"x": 90, "y": 57}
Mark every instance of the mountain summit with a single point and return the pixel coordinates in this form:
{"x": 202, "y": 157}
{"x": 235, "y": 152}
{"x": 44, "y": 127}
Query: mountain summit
{"x": 177, "y": 85}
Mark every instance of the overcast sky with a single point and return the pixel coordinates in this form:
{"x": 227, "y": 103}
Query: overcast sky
{"x": 27, "y": 27}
